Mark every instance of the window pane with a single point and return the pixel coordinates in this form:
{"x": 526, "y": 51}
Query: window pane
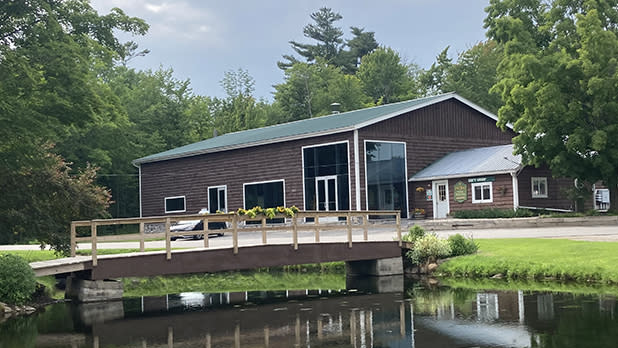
{"x": 386, "y": 183}
{"x": 477, "y": 193}
{"x": 222, "y": 206}
{"x": 486, "y": 192}
{"x": 542, "y": 188}
{"x": 174, "y": 204}
{"x": 212, "y": 200}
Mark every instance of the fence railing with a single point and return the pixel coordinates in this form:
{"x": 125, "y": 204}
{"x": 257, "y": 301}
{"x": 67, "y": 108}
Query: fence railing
{"x": 346, "y": 220}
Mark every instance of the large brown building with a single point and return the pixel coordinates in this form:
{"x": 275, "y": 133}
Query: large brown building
{"x": 358, "y": 160}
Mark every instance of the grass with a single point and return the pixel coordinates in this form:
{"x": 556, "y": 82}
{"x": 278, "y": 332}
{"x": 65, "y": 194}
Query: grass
{"x": 45, "y": 255}
{"x": 539, "y": 259}
{"x": 233, "y": 281}
{"x": 530, "y": 285}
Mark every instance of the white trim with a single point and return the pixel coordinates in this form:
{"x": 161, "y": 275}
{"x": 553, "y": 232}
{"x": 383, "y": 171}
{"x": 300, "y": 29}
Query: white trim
{"x": 302, "y": 156}
{"x": 405, "y": 161}
{"x": 244, "y": 204}
{"x": 434, "y": 187}
{"x": 217, "y": 187}
{"x": 491, "y": 192}
{"x": 433, "y": 100}
{"x": 466, "y": 175}
{"x": 139, "y": 177}
{"x": 515, "y": 190}
{"x": 539, "y": 195}
{"x": 184, "y": 199}
{"x": 357, "y": 191}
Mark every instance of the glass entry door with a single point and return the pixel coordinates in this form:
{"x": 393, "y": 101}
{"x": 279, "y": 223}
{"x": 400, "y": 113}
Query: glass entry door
{"x": 326, "y": 192}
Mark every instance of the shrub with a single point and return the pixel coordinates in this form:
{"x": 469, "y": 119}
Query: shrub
{"x": 17, "y": 280}
{"x": 492, "y": 213}
{"x": 428, "y": 248}
{"x": 461, "y": 245}
{"x": 415, "y": 232}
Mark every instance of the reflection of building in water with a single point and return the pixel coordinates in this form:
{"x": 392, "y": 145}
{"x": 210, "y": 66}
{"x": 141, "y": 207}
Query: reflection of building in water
{"x": 319, "y": 319}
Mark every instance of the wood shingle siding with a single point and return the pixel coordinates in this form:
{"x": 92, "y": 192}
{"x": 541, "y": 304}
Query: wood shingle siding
{"x": 556, "y": 190}
{"x": 191, "y": 176}
{"x": 432, "y": 132}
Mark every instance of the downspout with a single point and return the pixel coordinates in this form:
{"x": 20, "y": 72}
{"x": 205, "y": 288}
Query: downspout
{"x": 139, "y": 178}
{"x": 515, "y": 190}
{"x": 356, "y": 172}
{"x": 514, "y": 175}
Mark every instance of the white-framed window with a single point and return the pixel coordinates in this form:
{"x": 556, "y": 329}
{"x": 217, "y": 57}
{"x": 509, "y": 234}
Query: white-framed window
{"x": 539, "y": 187}
{"x": 175, "y": 204}
{"x": 482, "y": 192}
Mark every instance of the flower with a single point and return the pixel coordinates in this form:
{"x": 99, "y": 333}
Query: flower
{"x": 420, "y": 211}
{"x": 420, "y": 189}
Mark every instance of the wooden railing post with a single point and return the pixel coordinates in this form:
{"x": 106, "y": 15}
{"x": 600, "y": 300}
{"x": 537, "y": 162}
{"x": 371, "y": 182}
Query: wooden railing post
{"x": 349, "y": 223}
{"x": 398, "y": 222}
{"x": 141, "y": 237}
{"x": 93, "y": 248}
{"x": 365, "y": 218}
{"x": 295, "y": 232}
{"x": 168, "y": 239}
{"x": 205, "y": 229}
{"x": 235, "y": 233}
{"x": 317, "y": 228}
{"x": 73, "y": 242}
{"x": 264, "y": 230}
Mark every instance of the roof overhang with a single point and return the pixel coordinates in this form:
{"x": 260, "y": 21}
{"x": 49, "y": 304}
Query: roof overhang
{"x": 464, "y": 175}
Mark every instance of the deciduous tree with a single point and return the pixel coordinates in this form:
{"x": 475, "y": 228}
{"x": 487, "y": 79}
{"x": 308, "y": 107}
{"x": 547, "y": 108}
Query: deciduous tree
{"x": 558, "y": 81}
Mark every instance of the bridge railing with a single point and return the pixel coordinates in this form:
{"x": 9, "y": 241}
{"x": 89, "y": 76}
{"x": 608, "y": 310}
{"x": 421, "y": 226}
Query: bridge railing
{"x": 302, "y": 221}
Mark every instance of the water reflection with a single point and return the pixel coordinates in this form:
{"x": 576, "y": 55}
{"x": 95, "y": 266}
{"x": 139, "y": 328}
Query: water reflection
{"x": 419, "y": 317}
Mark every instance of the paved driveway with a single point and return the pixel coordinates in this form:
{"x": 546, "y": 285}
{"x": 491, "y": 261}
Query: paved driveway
{"x": 588, "y": 233}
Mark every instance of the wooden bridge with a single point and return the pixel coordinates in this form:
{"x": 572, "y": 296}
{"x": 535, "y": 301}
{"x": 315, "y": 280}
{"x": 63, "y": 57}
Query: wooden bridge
{"x": 306, "y": 237}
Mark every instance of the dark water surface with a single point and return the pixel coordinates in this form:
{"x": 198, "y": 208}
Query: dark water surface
{"x": 419, "y": 317}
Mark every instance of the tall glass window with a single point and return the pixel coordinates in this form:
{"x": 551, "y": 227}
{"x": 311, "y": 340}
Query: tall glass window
{"x": 386, "y": 176}
{"x": 327, "y": 183}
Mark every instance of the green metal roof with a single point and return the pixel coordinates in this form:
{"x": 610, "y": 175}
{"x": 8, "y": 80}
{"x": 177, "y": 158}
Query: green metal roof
{"x": 323, "y": 125}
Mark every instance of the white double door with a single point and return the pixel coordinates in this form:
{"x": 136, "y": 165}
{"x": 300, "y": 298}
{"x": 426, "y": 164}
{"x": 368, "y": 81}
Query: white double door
{"x": 326, "y": 193}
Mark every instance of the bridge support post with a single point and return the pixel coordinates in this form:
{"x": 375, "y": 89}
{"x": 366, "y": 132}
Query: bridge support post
{"x": 377, "y": 276}
{"x": 81, "y": 290}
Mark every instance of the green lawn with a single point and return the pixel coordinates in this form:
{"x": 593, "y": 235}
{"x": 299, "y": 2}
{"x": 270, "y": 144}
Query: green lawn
{"x": 44, "y": 255}
{"x": 539, "y": 259}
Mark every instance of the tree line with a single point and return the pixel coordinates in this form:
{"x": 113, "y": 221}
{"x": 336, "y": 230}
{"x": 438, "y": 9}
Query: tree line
{"x": 74, "y": 115}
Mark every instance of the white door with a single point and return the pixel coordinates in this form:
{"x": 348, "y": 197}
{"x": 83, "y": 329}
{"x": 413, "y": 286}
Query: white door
{"x": 326, "y": 193}
{"x": 440, "y": 199}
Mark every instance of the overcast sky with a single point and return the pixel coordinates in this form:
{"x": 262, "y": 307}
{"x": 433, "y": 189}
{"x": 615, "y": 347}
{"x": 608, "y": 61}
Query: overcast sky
{"x": 201, "y": 40}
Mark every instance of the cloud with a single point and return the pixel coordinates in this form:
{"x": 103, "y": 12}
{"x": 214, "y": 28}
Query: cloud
{"x": 172, "y": 20}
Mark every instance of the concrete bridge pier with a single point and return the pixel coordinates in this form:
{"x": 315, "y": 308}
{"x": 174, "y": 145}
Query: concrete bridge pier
{"x": 376, "y": 276}
{"x": 82, "y": 290}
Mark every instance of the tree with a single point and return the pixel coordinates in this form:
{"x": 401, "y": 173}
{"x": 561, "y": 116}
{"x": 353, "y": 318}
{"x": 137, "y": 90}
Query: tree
{"x": 41, "y": 196}
{"x": 384, "y": 77}
{"x": 558, "y": 80}
{"x": 330, "y": 45}
{"x": 474, "y": 73}
{"x": 328, "y": 36}
{"x": 310, "y": 89}
{"x": 52, "y": 55}
{"x": 435, "y": 79}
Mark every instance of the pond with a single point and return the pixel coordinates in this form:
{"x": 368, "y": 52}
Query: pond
{"x": 419, "y": 317}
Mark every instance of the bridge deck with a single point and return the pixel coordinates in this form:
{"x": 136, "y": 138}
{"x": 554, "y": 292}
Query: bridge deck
{"x": 203, "y": 260}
